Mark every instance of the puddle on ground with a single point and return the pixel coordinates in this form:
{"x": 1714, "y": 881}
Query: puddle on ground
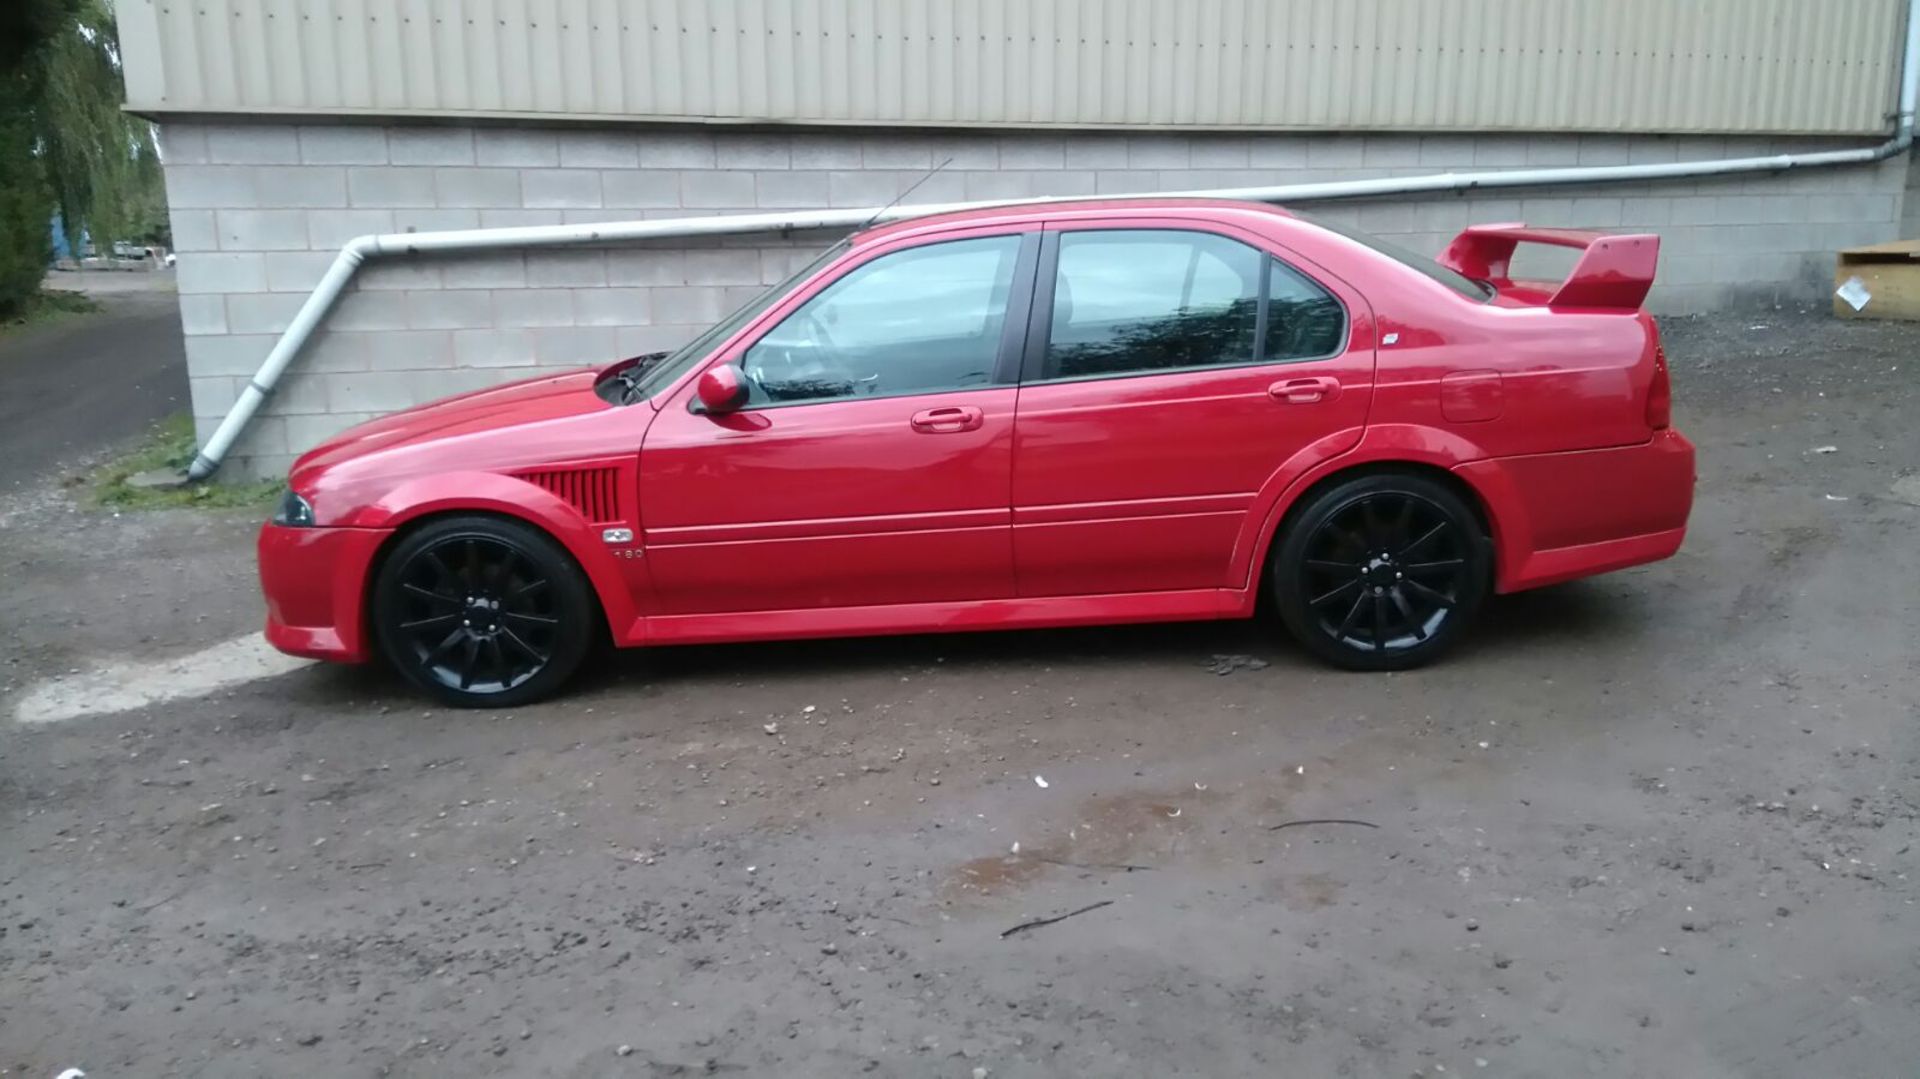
{"x": 1121, "y": 833}
{"x": 1307, "y": 892}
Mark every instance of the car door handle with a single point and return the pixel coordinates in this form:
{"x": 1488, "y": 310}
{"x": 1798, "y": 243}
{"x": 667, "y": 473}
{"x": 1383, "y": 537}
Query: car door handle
{"x": 946, "y": 421}
{"x": 1305, "y": 391}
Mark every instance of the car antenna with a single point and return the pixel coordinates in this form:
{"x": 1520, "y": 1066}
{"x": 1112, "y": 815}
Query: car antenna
{"x": 868, "y": 223}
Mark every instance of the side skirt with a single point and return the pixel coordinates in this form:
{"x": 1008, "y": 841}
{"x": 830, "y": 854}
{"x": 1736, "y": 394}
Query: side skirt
{"x": 1039, "y": 612}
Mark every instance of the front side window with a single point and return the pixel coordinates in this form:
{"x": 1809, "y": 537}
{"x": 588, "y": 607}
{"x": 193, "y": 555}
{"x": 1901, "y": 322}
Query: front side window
{"x": 916, "y": 321}
{"x": 660, "y": 373}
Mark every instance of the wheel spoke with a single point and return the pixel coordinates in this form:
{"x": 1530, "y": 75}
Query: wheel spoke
{"x": 1425, "y": 539}
{"x": 1433, "y": 567}
{"x": 431, "y": 596}
{"x": 1353, "y": 615}
{"x": 473, "y": 563}
{"x": 529, "y": 619}
{"x": 470, "y": 663}
{"x": 446, "y": 645}
{"x": 497, "y": 660}
{"x": 1406, "y": 612}
{"x": 1333, "y": 567}
{"x": 441, "y": 572}
{"x": 1379, "y": 622}
{"x": 1338, "y": 591}
{"x": 435, "y": 620}
{"x": 496, "y": 571}
{"x": 1335, "y": 594}
{"x": 520, "y": 643}
{"x": 1370, "y": 524}
{"x": 1438, "y": 599}
{"x": 527, "y": 589}
{"x": 1403, "y": 521}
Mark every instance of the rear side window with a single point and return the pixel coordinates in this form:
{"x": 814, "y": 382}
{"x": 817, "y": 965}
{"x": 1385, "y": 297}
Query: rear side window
{"x": 1142, "y": 300}
{"x": 1412, "y": 260}
{"x": 1304, "y": 321}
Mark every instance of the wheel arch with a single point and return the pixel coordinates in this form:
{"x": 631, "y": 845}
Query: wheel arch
{"x": 1421, "y": 451}
{"x": 609, "y": 591}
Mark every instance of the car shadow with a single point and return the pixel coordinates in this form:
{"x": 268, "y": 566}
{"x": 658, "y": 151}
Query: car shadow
{"x": 1170, "y": 642}
{"x": 1578, "y": 614}
{"x": 1582, "y": 614}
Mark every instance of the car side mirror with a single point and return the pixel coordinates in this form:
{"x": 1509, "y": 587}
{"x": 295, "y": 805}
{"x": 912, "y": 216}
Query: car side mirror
{"x": 721, "y": 389}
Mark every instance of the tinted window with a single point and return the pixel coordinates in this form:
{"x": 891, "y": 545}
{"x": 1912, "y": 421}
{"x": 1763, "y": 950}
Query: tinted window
{"x": 1130, "y": 301}
{"x": 1303, "y": 319}
{"x": 915, "y": 321}
{"x": 1413, "y": 260}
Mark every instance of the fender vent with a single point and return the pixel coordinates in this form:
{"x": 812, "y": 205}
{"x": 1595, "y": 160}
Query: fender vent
{"x": 595, "y": 492}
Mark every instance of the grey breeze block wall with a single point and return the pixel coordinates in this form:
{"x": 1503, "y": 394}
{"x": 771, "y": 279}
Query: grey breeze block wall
{"x": 260, "y": 209}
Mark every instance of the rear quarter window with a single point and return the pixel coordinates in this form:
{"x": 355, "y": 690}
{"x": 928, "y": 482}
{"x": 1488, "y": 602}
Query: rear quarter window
{"x": 1477, "y": 291}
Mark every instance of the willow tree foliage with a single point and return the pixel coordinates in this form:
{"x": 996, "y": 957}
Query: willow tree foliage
{"x": 65, "y": 143}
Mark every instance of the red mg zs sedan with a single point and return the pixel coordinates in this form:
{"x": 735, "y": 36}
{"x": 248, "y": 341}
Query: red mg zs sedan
{"x": 1043, "y": 415}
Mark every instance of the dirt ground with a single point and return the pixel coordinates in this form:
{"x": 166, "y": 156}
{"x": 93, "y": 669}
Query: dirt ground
{"x": 1660, "y": 823}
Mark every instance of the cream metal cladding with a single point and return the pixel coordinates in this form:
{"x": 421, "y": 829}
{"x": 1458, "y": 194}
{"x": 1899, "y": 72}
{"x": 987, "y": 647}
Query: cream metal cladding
{"x": 1778, "y": 66}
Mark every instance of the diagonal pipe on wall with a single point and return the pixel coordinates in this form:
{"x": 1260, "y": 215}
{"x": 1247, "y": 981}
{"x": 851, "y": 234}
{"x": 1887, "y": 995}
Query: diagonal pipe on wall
{"x": 361, "y": 249}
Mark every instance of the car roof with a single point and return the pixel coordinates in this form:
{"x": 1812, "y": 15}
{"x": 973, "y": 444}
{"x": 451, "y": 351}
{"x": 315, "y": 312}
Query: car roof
{"x": 1081, "y": 209}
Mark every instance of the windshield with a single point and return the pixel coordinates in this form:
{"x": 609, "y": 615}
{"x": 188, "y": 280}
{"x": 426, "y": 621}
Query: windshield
{"x": 1413, "y": 260}
{"x": 662, "y": 374}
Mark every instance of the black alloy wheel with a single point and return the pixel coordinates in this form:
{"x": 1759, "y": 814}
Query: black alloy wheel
{"x": 1381, "y": 572}
{"x": 483, "y": 611}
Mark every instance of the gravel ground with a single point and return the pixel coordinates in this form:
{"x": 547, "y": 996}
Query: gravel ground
{"x": 1658, "y": 823}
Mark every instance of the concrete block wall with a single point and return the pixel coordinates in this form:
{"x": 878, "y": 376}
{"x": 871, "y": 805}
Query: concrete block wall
{"x": 1910, "y": 213}
{"x": 259, "y": 210}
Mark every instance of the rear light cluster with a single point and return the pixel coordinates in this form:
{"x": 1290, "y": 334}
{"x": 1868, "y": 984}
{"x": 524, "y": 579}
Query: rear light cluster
{"x": 1660, "y": 393}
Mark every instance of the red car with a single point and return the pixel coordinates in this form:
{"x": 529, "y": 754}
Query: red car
{"x": 1042, "y": 415}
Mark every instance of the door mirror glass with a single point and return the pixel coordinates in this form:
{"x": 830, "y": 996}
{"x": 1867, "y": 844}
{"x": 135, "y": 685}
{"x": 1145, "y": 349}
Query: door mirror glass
{"x": 721, "y": 389}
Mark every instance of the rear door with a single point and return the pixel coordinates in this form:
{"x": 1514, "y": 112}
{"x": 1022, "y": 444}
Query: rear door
{"x": 1170, "y": 371}
{"x": 871, "y": 462}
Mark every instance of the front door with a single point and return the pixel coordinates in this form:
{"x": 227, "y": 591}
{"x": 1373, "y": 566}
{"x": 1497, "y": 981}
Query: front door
{"x": 870, "y": 464}
{"x": 1172, "y": 373}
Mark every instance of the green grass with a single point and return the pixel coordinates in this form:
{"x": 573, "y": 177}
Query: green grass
{"x": 170, "y": 445}
{"x": 49, "y": 305}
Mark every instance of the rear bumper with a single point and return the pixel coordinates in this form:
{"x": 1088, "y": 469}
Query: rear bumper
{"x": 1560, "y": 516}
{"x": 315, "y": 581}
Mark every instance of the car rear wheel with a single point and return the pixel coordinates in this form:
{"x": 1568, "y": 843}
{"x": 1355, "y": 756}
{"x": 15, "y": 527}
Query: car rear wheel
{"x": 1381, "y": 572}
{"x": 483, "y": 612}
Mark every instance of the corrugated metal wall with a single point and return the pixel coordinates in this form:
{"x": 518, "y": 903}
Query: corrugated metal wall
{"x": 1782, "y": 66}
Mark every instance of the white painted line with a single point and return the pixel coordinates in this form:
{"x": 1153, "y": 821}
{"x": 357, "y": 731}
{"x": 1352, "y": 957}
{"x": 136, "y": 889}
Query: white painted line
{"x": 123, "y": 685}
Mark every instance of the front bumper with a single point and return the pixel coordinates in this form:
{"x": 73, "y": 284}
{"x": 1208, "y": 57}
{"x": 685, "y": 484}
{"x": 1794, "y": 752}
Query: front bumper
{"x": 315, "y": 582}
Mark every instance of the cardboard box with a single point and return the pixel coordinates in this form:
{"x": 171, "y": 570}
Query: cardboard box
{"x": 1881, "y": 281}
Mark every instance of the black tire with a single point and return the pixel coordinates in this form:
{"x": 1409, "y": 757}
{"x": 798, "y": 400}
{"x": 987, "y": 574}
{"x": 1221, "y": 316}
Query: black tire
{"x": 1381, "y": 572}
{"x": 483, "y": 612}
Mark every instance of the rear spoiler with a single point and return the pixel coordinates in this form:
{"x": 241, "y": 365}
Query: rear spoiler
{"x": 1614, "y": 271}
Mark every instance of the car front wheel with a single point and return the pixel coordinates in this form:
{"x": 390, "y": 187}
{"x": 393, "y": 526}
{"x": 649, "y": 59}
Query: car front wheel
{"x": 1381, "y": 572}
{"x": 483, "y": 611}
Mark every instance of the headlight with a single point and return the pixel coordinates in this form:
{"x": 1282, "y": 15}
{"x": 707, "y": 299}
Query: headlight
{"x": 293, "y": 511}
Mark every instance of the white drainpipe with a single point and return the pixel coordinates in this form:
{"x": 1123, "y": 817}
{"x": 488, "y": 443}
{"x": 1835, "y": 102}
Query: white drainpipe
{"x": 363, "y": 248}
